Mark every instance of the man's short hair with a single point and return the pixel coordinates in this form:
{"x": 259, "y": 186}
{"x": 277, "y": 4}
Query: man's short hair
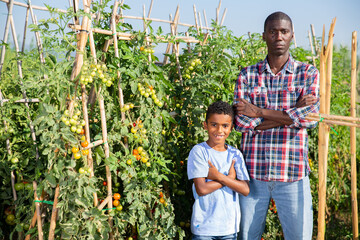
{"x": 277, "y": 16}
{"x": 220, "y": 107}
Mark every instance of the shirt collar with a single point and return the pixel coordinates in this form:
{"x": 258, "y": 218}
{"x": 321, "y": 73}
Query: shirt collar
{"x": 288, "y": 67}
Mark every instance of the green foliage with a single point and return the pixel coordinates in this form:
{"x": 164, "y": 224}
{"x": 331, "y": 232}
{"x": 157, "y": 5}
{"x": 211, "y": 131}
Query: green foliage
{"x": 161, "y": 118}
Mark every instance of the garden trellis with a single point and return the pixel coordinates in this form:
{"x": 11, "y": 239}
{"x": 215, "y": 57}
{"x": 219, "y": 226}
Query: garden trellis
{"x": 85, "y": 36}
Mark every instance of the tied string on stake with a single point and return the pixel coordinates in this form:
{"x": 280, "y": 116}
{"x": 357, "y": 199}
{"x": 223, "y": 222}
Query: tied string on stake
{"x": 108, "y": 209}
{"x": 47, "y": 202}
{"x": 321, "y": 119}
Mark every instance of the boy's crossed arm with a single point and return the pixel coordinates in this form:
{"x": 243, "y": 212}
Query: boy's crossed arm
{"x": 219, "y": 180}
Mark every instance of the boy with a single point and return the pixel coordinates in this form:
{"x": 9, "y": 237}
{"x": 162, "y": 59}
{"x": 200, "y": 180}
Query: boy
{"x": 214, "y": 166}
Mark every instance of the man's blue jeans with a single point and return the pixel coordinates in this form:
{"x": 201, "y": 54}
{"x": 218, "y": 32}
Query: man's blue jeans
{"x": 227, "y": 237}
{"x": 294, "y": 206}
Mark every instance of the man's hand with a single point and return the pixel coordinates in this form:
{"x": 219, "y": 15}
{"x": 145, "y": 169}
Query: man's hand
{"x": 306, "y": 100}
{"x": 245, "y": 108}
{"x": 232, "y": 172}
{"x": 213, "y": 172}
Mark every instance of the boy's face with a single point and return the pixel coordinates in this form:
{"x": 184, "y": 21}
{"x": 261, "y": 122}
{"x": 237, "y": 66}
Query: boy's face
{"x": 219, "y": 127}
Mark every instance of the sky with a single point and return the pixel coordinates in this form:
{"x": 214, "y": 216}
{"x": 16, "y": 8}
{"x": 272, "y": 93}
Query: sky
{"x": 241, "y": 17}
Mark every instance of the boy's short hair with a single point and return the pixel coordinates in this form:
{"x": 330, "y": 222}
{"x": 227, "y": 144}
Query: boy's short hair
{"x": 277, "y": 16}
{"x": 220, "y": 107}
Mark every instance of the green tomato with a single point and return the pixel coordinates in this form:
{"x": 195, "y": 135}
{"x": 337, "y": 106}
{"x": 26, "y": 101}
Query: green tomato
{"x": 19, "y": 186}
{"x": 28, "y": 186}
{"x": 10, "y": 218}
{"x": 14, "y": 160}
{"x": 81, "y": 170}
{"x": 67, "y": 113}
{"x": 73, "y": 128}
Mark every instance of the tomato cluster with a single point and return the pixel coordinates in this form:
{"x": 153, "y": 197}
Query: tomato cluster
{"x": 148, "y": 91}
{"x": 191, "y": 66}
{"x": 74, "y": 122}
{"x": 91, "y": 72}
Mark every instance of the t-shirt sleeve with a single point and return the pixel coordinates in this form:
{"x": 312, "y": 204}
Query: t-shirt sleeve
{"x": 197, "y": 165}
{"x": 240, "y": 167}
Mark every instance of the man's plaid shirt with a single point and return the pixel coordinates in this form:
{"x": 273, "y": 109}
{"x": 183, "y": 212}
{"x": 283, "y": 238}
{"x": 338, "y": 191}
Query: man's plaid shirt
{"x": 281, "y": 153}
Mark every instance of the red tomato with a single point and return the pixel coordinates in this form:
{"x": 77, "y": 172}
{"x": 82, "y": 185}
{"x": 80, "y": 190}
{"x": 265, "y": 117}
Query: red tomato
{"x": 104, "y": 183}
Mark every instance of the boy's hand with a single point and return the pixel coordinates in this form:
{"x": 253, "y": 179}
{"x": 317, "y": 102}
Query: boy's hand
{"x": 213, "y": 172}
{"x": 232, "y": 172}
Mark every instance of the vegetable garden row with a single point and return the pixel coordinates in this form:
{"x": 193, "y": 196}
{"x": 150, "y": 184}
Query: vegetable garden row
{"x": 114, "y": 127}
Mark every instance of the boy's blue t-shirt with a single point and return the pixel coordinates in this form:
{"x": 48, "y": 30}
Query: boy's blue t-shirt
{"x": 217, "y": 213}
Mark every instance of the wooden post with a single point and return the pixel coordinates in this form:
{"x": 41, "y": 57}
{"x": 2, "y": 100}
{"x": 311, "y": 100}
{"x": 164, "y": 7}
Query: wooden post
{"x": 223, "y": 17}
{"x": 6, "y": 34}
{"x": 354, "y": 204}
{"x": 205, "y": 20}
{"x": 323, "y": 144}
{"x": 107, "y": 154}
{"x": 38, "y": 215}
{"x": 37, "y": 34}
{"x": 196, "y": 20}
{"x": 218, "y": 13}
{"x": 25, "y": 29}
{"x": 295, "y": 45}
{"x": 314, "y": 39}
{"x": 54, "y": 214}
{"x": 312, "y": 49}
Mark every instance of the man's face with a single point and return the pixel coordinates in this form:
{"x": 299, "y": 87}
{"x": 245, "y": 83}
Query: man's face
{"x": 278, "y": 35}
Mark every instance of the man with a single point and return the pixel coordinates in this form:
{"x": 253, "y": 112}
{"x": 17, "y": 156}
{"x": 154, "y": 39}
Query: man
{"x": 272, "y": 98}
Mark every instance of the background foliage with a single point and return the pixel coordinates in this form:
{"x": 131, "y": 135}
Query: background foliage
{"x": 165, "y": 126}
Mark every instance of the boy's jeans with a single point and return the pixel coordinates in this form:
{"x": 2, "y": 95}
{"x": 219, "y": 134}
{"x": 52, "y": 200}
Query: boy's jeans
{"x": 227, "y": 237}
{"x": 294, "y": 206}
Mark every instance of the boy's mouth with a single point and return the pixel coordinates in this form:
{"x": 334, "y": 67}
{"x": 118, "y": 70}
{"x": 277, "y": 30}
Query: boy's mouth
{"x": 219, "y": 136}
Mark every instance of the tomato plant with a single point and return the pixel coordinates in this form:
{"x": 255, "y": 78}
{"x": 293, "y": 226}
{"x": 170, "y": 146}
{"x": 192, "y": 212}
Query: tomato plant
{"x": 149, "y": 137}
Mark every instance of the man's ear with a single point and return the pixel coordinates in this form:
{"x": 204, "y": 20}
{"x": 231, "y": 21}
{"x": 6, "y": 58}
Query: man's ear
{"x": 263, "y": 37}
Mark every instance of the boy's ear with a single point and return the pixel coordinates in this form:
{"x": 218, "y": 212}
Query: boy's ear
{"x": 205, "y": 125}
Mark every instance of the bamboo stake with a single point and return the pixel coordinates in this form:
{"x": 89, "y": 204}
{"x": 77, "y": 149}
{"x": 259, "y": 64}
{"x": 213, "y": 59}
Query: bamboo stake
{"x": 188, "y": 44}
{"x": 312, "y": 49}
{"x": 34, "y": 7}
{"x": 321, "y": 147}
{"x": 128, "y": 36}
{"x": 146, "y": 32}
{"x": 200, "y": 23}
{"x": 54, "y": 214}
{"x": 354, "y": 203}
{"x": 106, "y": 149}
{"x": 334, "y": 117}
{"x": 116, "y": 50}
{"x": 295, "y": 45}
{"x": 160, "y": 20}
{"x": 38, "y": 216}
{"x": 333, "y": 122}
{"x": 76, "y": 9}
{"x": 218, "y": 13}
{"x": 151, "y": 5}
{"x": 106, "y": 201}
{"x": 94, "y": 144}
{"x": 314, "y": 39}
{"x": 25, "y": 29}
{"x": 6, "y": 34}
{"x": 196, "y": 21}
{"x": 83, "y": 35}
{"x": 33, "y": 220}
{"x": 223, "y": 17}
{"x": 37, "y": 34}
{"x": 205, "y": 20}
{"x": 32, "y": 130}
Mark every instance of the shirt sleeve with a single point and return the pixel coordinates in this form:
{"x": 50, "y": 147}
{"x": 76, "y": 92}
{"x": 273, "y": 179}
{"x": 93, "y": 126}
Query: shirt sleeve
{"x": 244, "y": 123}
{"x": 298, "y": 114}
{"x": 197, "y": 165}
{"x": 240, "y": 167}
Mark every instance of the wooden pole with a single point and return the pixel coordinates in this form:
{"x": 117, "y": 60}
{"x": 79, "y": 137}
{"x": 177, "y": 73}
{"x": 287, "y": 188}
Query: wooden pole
{"x": 54, "y": 214}
{"x": 312, "y": 49}
{"x": 83, "y": 35}
{"x": 151, "y": 5}
{"x": 107, "y": 154}
{"x": 33, "y": 220}
{"x": 196, "y": 20}
{"x": 37, "y": 34}
{"x": 32, "y": 130}
{"x": 223, "y": 17}
{"x": 218, "y": 13}
{"x": 38, "y": 215}
{"x": 354, "y": 203}
{"x": 25, "y": 29}
{"x": 205, "y": 20}
{"x": 294, "y": 38}
{"x": 314, "y": 39}
{"x": 321, "y": 146}
{"x": 6, "y": 35}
